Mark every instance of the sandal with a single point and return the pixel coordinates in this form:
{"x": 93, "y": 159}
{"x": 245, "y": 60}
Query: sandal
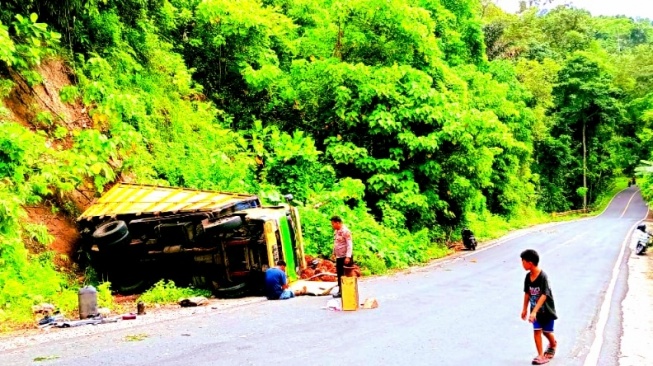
{"x": 550, "y": 352}
{"x": 540, "y": 360}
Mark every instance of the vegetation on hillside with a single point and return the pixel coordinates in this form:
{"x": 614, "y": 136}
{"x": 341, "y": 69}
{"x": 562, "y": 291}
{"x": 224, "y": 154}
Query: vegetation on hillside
{"x": 410, "y": 118}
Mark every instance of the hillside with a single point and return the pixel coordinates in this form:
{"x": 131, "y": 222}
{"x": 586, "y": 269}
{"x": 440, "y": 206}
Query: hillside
{"x": 409, "y": 118}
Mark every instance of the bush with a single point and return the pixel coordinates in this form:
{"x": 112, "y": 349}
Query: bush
{"x": 166, "y": 292}
{"x": 377, "y": 248}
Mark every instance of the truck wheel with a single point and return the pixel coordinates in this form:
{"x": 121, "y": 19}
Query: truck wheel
{"x": 239, "y": 290}
{"x": 225, "y": 223}
{"x": 111, "y": 232}
{"x": 133, "y": 287}
{"x": 118, "y": 244}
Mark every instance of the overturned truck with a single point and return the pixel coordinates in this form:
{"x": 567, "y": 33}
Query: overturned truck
{"x": 135, "y": 235}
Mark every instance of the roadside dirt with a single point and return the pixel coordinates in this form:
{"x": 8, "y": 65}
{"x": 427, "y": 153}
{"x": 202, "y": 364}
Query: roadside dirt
{"x": 636, "y": 342}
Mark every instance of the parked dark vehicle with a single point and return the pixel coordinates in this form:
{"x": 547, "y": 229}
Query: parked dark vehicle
{"x": 135, "y": 235}
{"x": 469, "y": 240}
{"x": 643, "y": 240}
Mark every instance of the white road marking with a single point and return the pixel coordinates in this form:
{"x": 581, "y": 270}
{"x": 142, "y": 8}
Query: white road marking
{"x": 595, "y": 350}
{"x": 579, "y": 236}
{"x": 628, "y": 204}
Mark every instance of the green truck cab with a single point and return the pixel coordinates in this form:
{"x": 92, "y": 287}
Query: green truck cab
{"x": 135, "y": 235}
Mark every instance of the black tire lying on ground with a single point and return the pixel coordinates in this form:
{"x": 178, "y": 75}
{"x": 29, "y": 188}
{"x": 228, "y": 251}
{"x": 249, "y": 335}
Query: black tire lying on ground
{"x": 111, "y": 232}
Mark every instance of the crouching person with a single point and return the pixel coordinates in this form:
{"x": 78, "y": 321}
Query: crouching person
{"x": 276, "y": 283}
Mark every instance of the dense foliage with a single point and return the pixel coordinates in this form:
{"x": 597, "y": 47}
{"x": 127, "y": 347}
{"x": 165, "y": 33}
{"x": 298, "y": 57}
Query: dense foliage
{"x": 410, "y": 118}
{"x": 589, "y": 79}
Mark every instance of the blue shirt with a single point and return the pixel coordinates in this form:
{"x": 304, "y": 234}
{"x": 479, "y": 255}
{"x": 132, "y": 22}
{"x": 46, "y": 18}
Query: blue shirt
{"x": 275, "y": 279}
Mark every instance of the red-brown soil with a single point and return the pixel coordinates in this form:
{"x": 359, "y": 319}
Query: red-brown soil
{"x": 63, "y": 230}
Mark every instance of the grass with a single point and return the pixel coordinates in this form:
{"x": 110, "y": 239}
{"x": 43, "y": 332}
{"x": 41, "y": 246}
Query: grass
{"x": 489, "y": 227}
{"x": 167, "y": 292}
{"x": 602, "y": 201}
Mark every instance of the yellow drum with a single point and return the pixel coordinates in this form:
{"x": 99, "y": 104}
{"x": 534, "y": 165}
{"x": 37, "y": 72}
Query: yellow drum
{"x": 349, "y": 293}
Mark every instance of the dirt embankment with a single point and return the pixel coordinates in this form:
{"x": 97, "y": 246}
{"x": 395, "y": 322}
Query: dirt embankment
{"x": 28, "y": 104}
{"x": 25, "y": 102}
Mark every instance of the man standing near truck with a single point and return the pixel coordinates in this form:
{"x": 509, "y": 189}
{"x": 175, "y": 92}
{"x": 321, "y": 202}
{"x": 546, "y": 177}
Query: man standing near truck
{"x": 342, "y": 249}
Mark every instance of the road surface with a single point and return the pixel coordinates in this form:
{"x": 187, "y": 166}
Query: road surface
{"x": 459, "y": 311}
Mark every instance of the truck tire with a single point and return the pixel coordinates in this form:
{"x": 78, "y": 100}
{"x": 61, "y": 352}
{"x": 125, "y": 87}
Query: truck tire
{"x": 133, "y": 287}
{"x": 111, "y": 232}
{"x": 225, "y": 224}
{"x": 118, "y": 244}
{"x": 232, "y": 292}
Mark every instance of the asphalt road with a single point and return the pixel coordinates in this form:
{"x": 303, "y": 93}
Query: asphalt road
{"x": 459, "y": 311}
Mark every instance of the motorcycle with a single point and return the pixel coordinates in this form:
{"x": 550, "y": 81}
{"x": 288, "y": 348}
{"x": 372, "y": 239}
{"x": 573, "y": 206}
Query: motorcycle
{"x": 469, "y": 240}
{"x": 643, "y": 241}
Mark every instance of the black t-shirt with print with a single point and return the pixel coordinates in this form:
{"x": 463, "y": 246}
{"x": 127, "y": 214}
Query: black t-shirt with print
{"x": 537, "y": 288}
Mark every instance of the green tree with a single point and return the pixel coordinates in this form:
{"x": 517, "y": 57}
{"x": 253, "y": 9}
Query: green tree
{"x": 588, "y": 110}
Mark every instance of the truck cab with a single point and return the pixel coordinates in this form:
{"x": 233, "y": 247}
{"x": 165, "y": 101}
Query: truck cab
{"x": 135, "y": 235}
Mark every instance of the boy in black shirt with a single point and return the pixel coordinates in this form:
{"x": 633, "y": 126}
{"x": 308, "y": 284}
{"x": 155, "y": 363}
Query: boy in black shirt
{"x": 538, "y": 294}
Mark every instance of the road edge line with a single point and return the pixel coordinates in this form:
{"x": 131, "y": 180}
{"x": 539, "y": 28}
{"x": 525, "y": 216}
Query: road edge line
{"x": 592, "y": 358}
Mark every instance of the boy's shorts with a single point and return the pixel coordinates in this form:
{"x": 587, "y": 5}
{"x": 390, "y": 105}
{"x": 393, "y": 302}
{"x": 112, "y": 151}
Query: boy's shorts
{"x": 545, "y": 326}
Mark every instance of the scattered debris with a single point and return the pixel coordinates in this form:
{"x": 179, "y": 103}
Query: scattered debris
{"x": 333, "y": 305}
{"x": 319, "y": 270}
{"x": 130, "y": 316}
{"x": 135, "y": 337}
{"x": 77, "y": 323}
{"x": 370, "y": 303}
{"x": 140, "y": 308}
{"x": 43, "y": 308}
{"x": 45, "y": 358}
{"x": 315, "y": 288}
{"x": 110, "y": 320}
{"x": 193, "y": 301}
{"x": 49, "y": 320}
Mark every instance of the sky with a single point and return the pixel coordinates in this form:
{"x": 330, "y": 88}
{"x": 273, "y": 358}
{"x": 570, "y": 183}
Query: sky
{"x": 631, "y": 8}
